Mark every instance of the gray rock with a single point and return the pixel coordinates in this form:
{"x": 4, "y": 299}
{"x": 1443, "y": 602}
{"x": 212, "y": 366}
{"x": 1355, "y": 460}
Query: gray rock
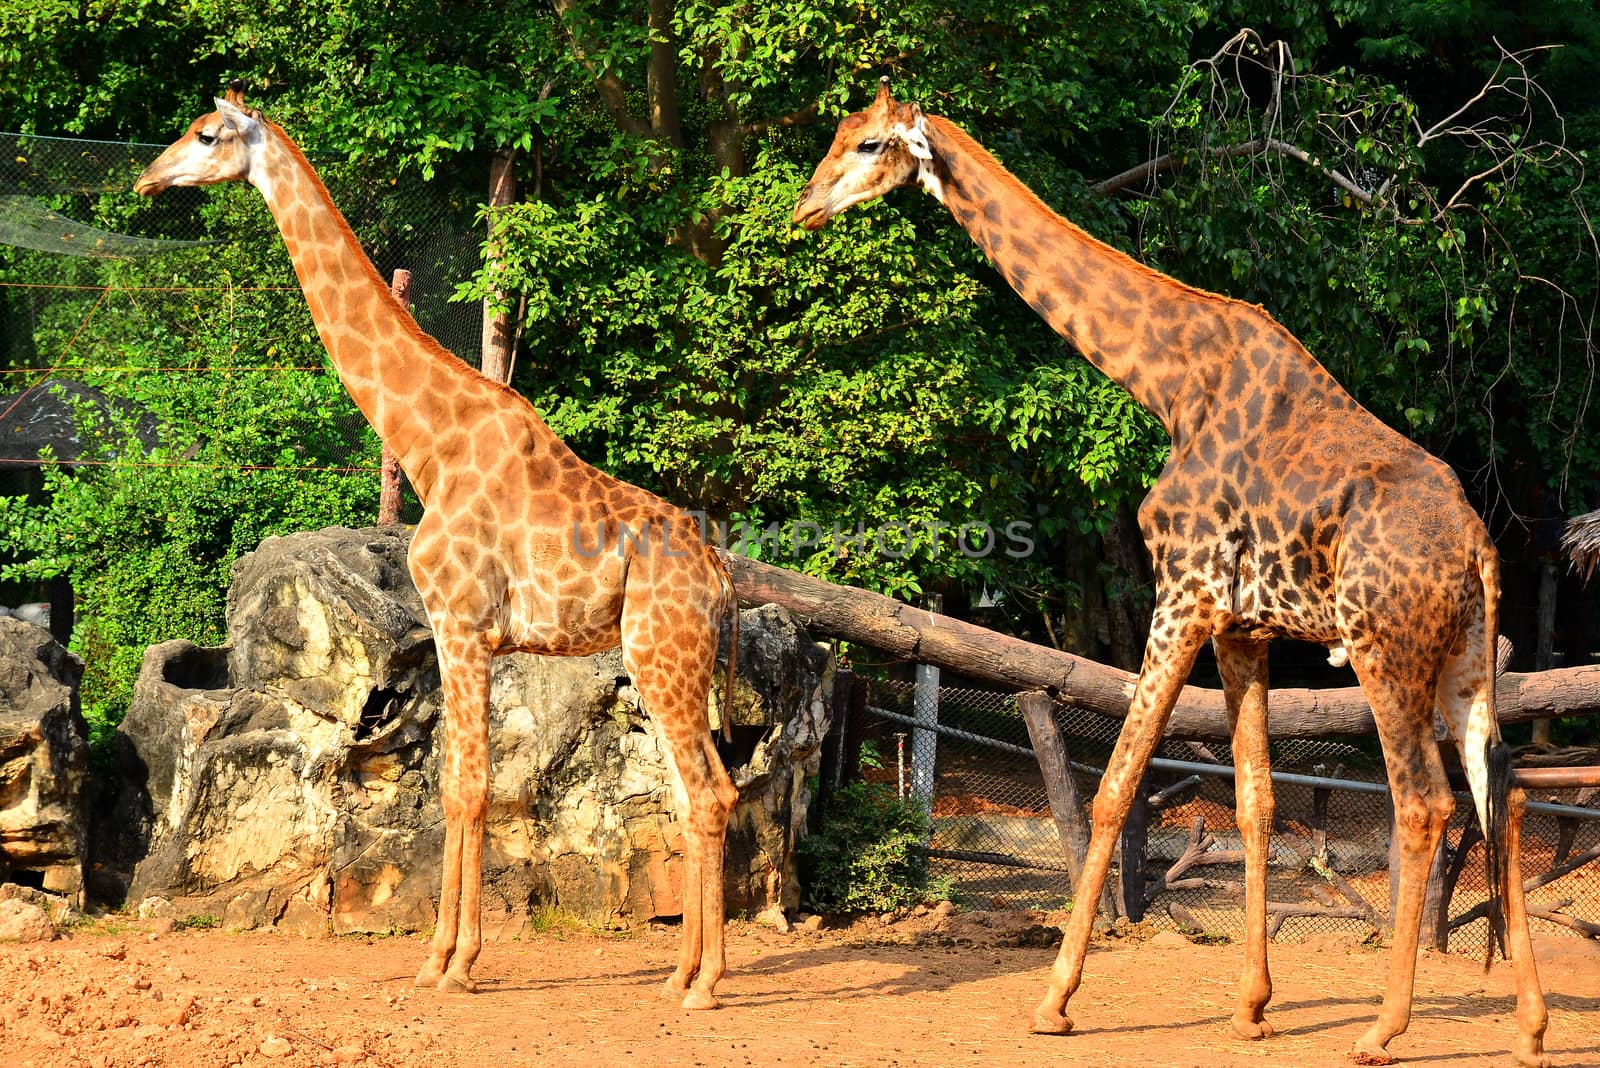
{"x": 291, "y": 778}
{"x": 44, "y": 759}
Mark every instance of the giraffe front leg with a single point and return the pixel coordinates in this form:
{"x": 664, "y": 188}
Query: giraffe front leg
{"x": 1243, "y": 666}
{"x": 444, "y": 932}
{"x": 1176, "y": 635}
{"x": 464, "y": 782}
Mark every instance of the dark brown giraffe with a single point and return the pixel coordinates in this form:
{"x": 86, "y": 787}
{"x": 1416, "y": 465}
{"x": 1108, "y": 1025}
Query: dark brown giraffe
{"x": 522, "y": 546}
{"x": 1285, "y": 510}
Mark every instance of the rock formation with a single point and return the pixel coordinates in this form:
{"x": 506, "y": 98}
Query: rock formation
{"x": 291, "y": 778}
{"x": 44, "y": 761}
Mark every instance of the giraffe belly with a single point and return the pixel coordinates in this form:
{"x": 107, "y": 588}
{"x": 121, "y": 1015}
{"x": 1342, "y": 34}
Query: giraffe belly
{"x": 1273, "y": 609}
{"x": 561, "y": 619}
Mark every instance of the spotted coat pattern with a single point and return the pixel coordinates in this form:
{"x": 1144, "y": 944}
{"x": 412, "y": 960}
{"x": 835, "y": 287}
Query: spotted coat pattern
{"x": 1285, "y": 510}
{"x": 522, "y": 546}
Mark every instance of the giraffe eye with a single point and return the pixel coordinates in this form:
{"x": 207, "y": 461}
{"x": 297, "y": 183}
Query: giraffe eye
{"x": 869, "y": 148}
{"x": 205, "y": 138}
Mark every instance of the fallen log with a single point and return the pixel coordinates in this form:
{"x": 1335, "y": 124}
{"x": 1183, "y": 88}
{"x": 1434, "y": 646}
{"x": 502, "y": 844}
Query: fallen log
{"x": 917, "y": 635}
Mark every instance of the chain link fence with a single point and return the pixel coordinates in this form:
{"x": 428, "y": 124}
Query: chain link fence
{"x": 994, "y": 836}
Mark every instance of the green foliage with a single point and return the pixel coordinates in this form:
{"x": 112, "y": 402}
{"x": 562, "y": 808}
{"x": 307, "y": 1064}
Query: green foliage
{"x": 870, "y": 856}
{"x": 192, "y": 468}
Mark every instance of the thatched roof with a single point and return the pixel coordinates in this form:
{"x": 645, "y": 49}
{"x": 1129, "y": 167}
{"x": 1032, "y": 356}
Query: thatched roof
{"x": 1581, "y": 541}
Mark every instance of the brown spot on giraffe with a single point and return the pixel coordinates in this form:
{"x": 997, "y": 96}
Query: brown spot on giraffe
{"x": 494, "y": 560}
{"x": 1266, "y": 446}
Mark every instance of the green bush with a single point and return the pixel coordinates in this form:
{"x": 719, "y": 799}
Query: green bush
{"x": 871, "y": 855}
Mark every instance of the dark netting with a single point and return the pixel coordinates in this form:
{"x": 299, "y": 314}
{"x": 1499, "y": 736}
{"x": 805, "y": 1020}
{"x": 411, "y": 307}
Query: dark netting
{"x": 111, "y": 256}
{"x": 995, "y": 837}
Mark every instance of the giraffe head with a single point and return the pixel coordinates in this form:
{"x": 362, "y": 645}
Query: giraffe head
{"x": 217, "y": 147}
{"x": 881, "y": 148}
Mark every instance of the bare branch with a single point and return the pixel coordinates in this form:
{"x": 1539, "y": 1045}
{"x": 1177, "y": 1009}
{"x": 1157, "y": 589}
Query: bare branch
{"x": 1145, "y": 171}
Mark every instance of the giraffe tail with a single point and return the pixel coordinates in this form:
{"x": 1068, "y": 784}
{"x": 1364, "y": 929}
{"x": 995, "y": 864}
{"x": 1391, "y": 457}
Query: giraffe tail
{"x": 1491, "y": 787}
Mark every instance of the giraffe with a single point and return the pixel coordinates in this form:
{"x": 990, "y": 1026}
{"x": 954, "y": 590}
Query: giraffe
{"x": 521, "y": 547}
{"x": 1284, "y": 510}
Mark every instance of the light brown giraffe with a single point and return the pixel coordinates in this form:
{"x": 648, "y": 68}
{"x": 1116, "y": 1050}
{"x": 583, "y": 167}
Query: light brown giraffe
{"x": 522, "y": 546}
{"x": 1285, "y": 510}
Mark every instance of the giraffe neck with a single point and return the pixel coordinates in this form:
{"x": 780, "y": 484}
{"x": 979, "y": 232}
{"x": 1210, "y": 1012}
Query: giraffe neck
{"x": 409, "y": 387}
{"x": 1135, "y": 324}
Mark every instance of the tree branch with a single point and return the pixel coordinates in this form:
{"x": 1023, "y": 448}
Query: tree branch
{"x": 613, "y": 94}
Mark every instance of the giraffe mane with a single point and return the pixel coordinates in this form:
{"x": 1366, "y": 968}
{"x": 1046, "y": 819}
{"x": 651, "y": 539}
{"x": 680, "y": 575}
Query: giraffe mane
{"x": 1015, "y": 187}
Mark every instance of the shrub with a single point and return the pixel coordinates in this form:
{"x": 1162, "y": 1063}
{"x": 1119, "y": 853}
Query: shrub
{"x": 871, "y": 855}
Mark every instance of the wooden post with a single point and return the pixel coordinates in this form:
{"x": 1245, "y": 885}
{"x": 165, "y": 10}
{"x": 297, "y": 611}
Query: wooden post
{"x": 1065, "y": 805}
{"x": 855, "y": 730}
{"x": 1131, "y": 854}
{"x": 389, "y": 473}
{"x": 499, "y": 333}
{"x": 1435, "y": 932}
{"x": 830, "y": 766}
{"x": 1319, "y": 815}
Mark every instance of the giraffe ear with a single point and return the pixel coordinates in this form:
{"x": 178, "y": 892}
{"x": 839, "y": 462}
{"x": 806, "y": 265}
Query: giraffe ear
{"x": 912, "y": 130}
{"x": 237, "y": 119}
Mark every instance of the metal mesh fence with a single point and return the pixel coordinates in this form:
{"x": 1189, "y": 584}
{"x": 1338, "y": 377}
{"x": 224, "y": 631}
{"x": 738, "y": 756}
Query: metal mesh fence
{"x": 994, "y": 837}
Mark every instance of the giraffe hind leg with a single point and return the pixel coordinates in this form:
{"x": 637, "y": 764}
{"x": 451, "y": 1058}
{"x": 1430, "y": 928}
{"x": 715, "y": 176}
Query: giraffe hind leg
{"x": 674, "y": 691}
{"x": 1467, "y": 705}
{"x": 1423, "y": 803}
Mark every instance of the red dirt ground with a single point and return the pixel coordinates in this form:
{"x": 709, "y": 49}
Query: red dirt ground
{"x": 918, "y": 992}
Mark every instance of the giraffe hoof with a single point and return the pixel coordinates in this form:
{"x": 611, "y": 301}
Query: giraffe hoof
{"x": 699, "y": 1000}
{"x": 1534, "y": 1058}
{"x": 457, "y": 984}
{"x": 1367, "y": 1054}
{"x": 1050, "y": 1023}
{"x": 428, "y": 978}
{"x": 1254, "y": 1030}
{"x": 674, "y": 989}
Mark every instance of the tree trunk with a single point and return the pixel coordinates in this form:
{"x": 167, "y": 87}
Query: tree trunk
{"x": 390, "y": 477}
{"x": 1128, "y": 613}
{"x": 499, "y": 330}
{"x": 1544, "y": 649}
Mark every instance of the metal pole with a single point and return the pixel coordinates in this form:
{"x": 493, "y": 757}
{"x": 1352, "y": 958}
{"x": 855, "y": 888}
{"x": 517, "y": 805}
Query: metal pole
{"x": 924, "y": 742}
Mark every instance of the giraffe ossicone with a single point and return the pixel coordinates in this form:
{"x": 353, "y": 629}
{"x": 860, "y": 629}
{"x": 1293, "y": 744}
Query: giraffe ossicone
{"x": 493, "y": 555}
{"x": 1284, "y": 510}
